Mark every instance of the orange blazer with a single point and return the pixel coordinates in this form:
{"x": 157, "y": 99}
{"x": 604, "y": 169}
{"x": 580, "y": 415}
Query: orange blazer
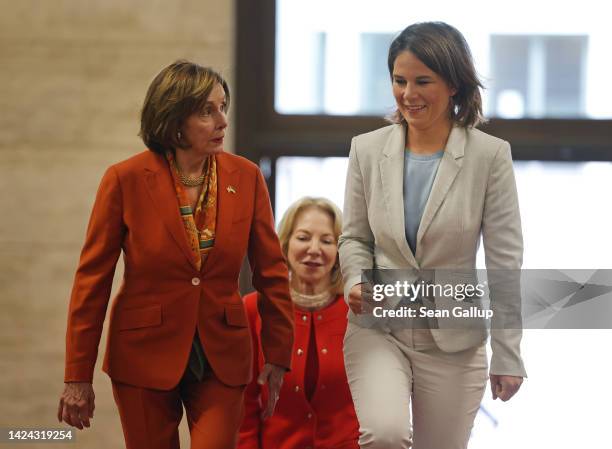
{"x": 163, "y": 297}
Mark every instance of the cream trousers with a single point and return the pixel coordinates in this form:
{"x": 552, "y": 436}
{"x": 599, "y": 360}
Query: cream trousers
{"x": 390, "y": 374}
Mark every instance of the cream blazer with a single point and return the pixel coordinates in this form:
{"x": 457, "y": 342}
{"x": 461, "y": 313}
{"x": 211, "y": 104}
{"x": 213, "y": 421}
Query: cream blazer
{"x": 473, "y": 195}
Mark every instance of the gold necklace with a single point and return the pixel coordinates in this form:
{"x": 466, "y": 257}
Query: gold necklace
{"x": 191, "y": 182}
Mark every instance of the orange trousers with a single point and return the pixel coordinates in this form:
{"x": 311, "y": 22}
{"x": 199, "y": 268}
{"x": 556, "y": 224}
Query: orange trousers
{"x": 150, "y": 418}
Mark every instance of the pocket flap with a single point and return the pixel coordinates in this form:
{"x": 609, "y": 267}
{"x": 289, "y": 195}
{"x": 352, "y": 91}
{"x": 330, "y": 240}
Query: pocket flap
{"x": 235, "y": 315}
{"x": 142, "y": 317}
{"x": 243, "y": 217}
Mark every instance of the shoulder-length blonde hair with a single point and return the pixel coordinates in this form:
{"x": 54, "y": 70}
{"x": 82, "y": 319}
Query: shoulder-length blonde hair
{"x": 287, "y": 226}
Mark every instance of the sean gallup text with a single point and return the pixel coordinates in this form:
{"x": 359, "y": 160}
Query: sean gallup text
{"x": 425, "y": 312}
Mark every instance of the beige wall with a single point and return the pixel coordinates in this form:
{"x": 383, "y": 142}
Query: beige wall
{"x": 72, "y": 79}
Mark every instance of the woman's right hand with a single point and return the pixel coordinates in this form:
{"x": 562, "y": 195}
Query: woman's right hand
{"x": 355, "y": 301}
{"x": 360, "y": 298}
{"x": 76, "y": 405}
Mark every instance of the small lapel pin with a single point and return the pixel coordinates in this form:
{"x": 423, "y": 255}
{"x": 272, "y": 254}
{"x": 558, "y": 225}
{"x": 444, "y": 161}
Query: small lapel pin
{"x": 231, "y": 189}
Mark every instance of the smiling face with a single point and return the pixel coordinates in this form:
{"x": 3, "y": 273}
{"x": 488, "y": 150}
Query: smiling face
{"x": 422, "y": 96}
{"x": 204, "y": 131}
{"x": 312, "y": 249}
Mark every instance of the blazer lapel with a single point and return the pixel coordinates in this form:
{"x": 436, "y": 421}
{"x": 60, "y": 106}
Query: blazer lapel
{"x": 161, "y": 190}
{"x": 391, "y": 165}
{"x": 228, "y": 195}
{"x": 450, "y": 165}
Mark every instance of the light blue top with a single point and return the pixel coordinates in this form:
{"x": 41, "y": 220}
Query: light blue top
{"x": 419, "y": 174}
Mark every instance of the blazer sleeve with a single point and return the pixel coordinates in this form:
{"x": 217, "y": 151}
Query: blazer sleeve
{"x": 249, "y": 436}
{"x": 271, "y": 280}
{"x": 93, "y": 280}
{"x": 356, "y": 244}
{"x": 503, "y": 245}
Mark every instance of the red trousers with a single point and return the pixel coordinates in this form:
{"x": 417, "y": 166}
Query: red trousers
{"x": 150, "y": 418}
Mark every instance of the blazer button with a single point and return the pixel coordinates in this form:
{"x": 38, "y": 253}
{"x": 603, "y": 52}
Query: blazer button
{"x": 324, "y": 351}
{"x": 195, "y": 281}
{"x": 300, "y": 351}
{"x": 297, "y": 388}
{"x": 304, "y": 318}
{"x": 319, "y": 317}
{"x": 309, "y": 416}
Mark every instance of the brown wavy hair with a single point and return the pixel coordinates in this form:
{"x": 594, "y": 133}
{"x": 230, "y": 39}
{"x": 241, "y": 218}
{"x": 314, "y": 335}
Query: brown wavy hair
{"x": 444, "y": 50}
{"x": 178, "y": 91}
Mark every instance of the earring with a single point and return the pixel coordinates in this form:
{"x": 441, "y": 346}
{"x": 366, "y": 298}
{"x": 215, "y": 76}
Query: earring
{"x": 179, "y": 135}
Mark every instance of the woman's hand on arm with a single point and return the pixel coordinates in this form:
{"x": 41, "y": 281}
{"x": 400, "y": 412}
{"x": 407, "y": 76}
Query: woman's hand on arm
{"x": 504, "y": 387}
{"x": 360, "y": 298}
{"x": 273, "y": 376}
{"x": 76, "y": 404}
{"x": 354, "y": 299}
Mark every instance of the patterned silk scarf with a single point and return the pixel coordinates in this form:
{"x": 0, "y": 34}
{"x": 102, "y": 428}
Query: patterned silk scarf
{"x": 199, "y": 226}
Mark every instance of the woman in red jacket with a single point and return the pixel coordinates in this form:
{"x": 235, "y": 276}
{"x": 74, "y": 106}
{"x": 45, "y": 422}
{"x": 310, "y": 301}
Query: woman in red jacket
{"x": 315, "y": 409}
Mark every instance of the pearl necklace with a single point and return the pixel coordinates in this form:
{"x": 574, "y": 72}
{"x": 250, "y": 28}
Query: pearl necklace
{"x": 312, "y": 302}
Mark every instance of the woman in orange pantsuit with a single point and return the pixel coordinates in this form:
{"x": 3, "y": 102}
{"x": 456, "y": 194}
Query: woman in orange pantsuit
{"x": 184, "y": 213}
{"x": 315, "y": 409}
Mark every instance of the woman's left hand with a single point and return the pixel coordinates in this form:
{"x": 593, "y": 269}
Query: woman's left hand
{"x": 273, "y": 376}
{"x": 504, "y": 387}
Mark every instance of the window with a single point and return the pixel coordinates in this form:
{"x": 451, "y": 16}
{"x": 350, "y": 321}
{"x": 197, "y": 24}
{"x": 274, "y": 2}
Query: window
{"x": 551, "y": 82}
{"x": 574, "y": 192}
{"x": 313, "y": 74}
{"x": 532, "y": 68}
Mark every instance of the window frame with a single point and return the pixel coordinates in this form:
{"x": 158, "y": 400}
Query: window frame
{"x": 261, "y": 132}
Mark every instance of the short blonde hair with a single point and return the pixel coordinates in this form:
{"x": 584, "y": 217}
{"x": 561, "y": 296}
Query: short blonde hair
{"x": 178, "y": 91}
{"x": 287, "y": 225}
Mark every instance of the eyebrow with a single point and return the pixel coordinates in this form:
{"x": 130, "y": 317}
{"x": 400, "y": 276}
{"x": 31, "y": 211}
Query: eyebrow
{"x": 308, "y": 232}
{"x": 420, "y": 77}
{"x": 302, "y": 230}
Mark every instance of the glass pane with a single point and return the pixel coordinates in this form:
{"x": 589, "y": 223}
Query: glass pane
{"x": 575, "y": 195}
{"x": 566, "y": 224}
{"x": 335, "y": 62}
{"x": 309, "y": 176}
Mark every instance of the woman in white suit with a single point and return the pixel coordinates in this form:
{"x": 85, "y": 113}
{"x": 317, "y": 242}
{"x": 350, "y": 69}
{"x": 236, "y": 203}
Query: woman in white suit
{"x": 420, "y": 193}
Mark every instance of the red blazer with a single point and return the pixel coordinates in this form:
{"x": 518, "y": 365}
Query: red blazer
{"x": 326, "y": 422}
{"x": 163, "y": 296}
